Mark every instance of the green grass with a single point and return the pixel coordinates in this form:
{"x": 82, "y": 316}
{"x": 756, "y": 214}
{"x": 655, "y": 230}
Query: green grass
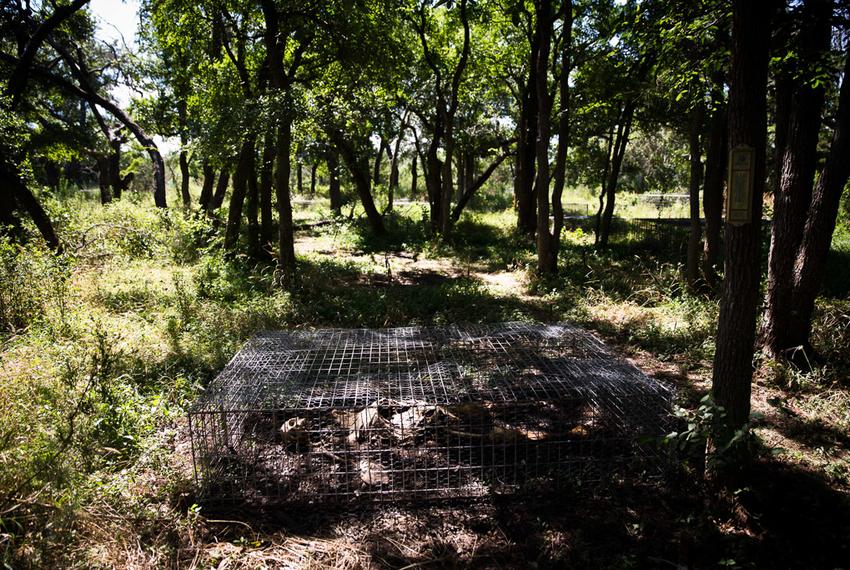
{"x": 104, "y": 349}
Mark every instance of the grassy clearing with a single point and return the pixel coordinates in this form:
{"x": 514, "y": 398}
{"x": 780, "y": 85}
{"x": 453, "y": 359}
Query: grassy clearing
{"x": 105, "y": 348}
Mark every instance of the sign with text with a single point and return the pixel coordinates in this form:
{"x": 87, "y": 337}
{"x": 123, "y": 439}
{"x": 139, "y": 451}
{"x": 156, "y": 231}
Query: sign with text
{"x": 739, "y": 187}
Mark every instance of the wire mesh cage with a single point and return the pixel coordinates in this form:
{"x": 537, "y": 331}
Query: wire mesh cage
{"x": 430, "y": 412}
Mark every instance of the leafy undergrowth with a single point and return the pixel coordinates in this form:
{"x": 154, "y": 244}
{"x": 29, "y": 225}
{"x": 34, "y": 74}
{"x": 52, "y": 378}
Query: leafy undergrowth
{"x": 105, "y": 348}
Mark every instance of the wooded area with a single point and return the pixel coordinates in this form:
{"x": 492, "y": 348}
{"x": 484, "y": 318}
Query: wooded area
{"x": 670, "y": 175}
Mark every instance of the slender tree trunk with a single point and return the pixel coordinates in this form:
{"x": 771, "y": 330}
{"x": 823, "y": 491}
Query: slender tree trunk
{"x": 473, "y": 186}
{"x": 793, "y": 196}
{"x": 313, "y": 180}
{"x": 692, "y": 264}
{"x": 115, "y": 180}
{"x": 733, "y": 359}
{"x": 817, "y": 237}
{"x": 252, "y": 206}
{"x": 414, "y": 175}
{"x": 359, "y": 169}
{"x": 524, "y": 174}
{"x": 544, "y": 33}
{"x": 299, "y": 174}
{"x": 209, "y": 182}
{"x": 220, "y": 189}
{"x": 447, "y": 178}
{"x": 266, "y": 183}
{"x": 603, "y": 187}
{"x": 286, "y": 242}
{"x": 184, "y": 179}
{"x": 333, "y": 181}
{"x": 394, "y": 174}
{"x": 376, "y": 172}
{"x": 614, "y": 174}
{"x": 712, "y": 195}
{"x": 240, "y": 190}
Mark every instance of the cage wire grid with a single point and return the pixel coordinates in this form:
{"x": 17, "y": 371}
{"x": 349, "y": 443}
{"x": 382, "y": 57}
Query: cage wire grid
{"x": 424, "y": 412}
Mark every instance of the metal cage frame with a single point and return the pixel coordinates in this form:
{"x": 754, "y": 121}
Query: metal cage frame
{"x": 336, "y": 415}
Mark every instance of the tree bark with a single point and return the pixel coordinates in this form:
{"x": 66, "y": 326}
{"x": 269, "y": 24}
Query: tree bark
{"x": 544, "y": 100}
{"x": 252, "y": 206}
{"x": 103, "y": 178}
{"x": 286, "y": 241}
{"x": 299, "y": 175}
{"x": 619, "y": 154}
{"x": 524, "y": 173}
{"x": 792, "y": 197}
{"x": 414, "y": 174}
{"x": 266, "y": 183}
{"x": 733, "y": 359}
{"x": 209, "y": 182}
{"x": 184, "y": 179}
{"x": 692, "y": 265}
{"x": 220, "y": 190}
{"x": 817, "y": 237}
{"x": 313, "y": 180}
{"x": 394, "y": 174}
{"x": 359, "y": 168}
{"x": 716, "y": 158}
{"x": 11, "y": 182}
{"x": 333, "y": 181}
{"x": 240, "y": 191}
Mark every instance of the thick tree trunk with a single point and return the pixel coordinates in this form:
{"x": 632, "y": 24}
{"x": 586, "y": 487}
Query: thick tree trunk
{"x": 792, "y": 197}
{"x": 733, "y": 359}
{"x": 103, "y": 177}
{"x": 209, "y": 183}
{"x": 266, "y": 183}
{"x": 240, "y": 191}
{"x": 333, "y": 182}
{"x": 817, "y": 237}
{"x": 220, "y": 190}
{"x": 716, "y": 158}
{"x": 694, "y": 239}
{"x": 11, "y": 182}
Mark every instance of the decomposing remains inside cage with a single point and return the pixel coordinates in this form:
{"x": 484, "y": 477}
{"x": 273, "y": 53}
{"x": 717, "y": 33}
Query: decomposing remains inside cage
{"x": 431, "y": 412}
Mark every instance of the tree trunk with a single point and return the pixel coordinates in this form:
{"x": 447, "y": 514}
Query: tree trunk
{"x": 733, "y": 359}
{"x": 184, "y": 179}
{"x": 792, "y": 197}
{"x": 544, "y": 33}
{"x": 313, "y": 180}
{"x": 333, "y": 181}
{"x": 524, "y": 173}
{"x": 692, "y": 265}
{"x": 299, "y": 174}
{"x": 376, "y": 172}
{"x": 564, "y": 113}
{"x": 240, "y": 190}
{"x": 209, "y": 182}
{"x": 817, "y": 237}
{"x": 394, "y": 174}
{"x": 286, "y": 241}
{"x": 413, "y": 176}
{"x": 266, "y": 183}
{"x": 614, "y": 174}
{"x": 712, "y": 194}
{"x": 220, "y": 189}
{"x": 359, "y": 169}
{"x": 103, "y": 168}
{"x": 11, "y": 182}
{"x": 252, "y": 206}
{"x": 464, "y": 198}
